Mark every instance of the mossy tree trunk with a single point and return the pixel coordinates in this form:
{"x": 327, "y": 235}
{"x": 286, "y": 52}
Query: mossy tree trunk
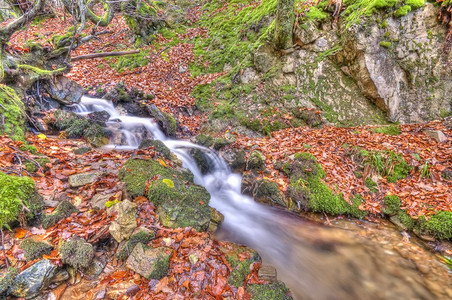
{"x": 285, "y": 16}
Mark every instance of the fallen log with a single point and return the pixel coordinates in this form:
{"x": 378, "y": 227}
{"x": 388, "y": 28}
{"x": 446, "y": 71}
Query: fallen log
{"x": 103, "y": 54}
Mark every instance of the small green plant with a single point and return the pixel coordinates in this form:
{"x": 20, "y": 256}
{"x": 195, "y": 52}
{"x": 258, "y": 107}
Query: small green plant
{"x": 385, "y": 44}
{"x": 386, "y": 163}
{"x": 390, "y": 130}
{"x": 371, "y": 185}
{"x": 425, "y": 169}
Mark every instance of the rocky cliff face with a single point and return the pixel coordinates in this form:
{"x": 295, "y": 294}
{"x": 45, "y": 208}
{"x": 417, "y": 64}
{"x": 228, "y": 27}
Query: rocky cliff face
{"x": 398, "y": 68}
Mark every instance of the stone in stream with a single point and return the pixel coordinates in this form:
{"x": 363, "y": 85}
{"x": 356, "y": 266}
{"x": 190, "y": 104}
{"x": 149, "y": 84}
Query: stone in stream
{"x": 126, "y": 221}
{"x": 151, "y": 263}
{"x": 216, "y": 218}
{"x": 268, "y": 273}
{"x": 165, "y": 120}
{"x": 159, "y": 146}
{"x": 99, "y": 117}
{"x": 33, "y": 280}
{"x": 235, "y": 159}
{"x": 82, "y": 179}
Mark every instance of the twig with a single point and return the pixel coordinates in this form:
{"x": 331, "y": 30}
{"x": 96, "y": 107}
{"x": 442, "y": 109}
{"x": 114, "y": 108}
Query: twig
{"x": 4, "y": 251}
{"x": 104, "y": 54}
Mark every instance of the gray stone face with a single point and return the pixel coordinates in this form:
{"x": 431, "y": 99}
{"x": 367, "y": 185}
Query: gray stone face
{"x": 82, "y": 179}
{"x": 126, "y": 221}
{"x": 35, "y": 279}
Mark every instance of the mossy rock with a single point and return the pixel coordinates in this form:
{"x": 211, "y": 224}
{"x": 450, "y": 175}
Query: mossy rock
{"x": 63, "y": 210}
{"x": 204, "y": 140}
{"x": 136, "y": 172}
{"x": 179, "y": 205}
{"x": 141, "y": 235}
{"x": 34, "y": 250}
{"x": 39, "y": 162}
{"x": 240, "y": 259}
{"x": 167, "y": 122}
{"x": 96, "y": 135}
{"x": 267, "y": 291}
{"x": 29, "y": 148}
{"x": 256, "y": 161}
{"x": 202, "y": 160}
{"x": 308, "y": 190}
{"x": 77, "y": 253}
{"x": 16, "y": 192}
{"x": 12, "y": 108}
{"x": 7, "y": 280}
{"x": 159, "y": 146}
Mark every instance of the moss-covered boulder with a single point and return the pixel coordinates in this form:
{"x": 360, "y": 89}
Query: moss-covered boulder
{"x": 77, "y": 253}
{"x": 7, "y": 280}
{"x": 12, "y": 108}
{"x": 256, "y": 161}
{"x": 241, "y": 258}
{"x": 34, "y": 249}
{"x": 391, "y": 205}
{"x": 136, "y": 172}
{"x": 202, "y": 160}
{"x": 268, "y": 192}
{"x": 141, "y": 235}
{"x": 151, "y": 263}
{"x": 63, "y": 210}
{"x": 308, "y": 191}
{"x": 96, "y": 135}
{"x": 15, "y": 193}
{"x": 439, "y": 225}
{"x": 159, "y": 146}
{"x": 266, "y": 291}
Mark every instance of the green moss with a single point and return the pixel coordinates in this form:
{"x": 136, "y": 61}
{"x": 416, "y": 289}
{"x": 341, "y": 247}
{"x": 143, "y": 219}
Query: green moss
{"x": 359, "y": 8}
{"x": 29, "y": 148}
{"x": 256, "y": 161}
{"x": 315, "y": 14}
{"x": 34, "y": 250}
{"x": 77, "y": 128}
{"x": 39, "y": 162}
{"x": 402, "y": 11}
{"x": 241, "y": 266}
{"x": 438, "y": 225}
{"x": 385, "y": 44}
{"x": 12, "y": 108}
{"x": 77, "y": 253}
{"x": 390, "y": 130}
{"x": 40, "y": 72}
{"x": 16, "y": 192}
{"x": 130, "y": 62}
{"x": 63, "y": 210}
{"x": 392, "y": 205}
{"x": 143, "y": 236}
{"x": 267, "y": 291}
{"x": 415, "y": 4}
{"x": 371, "y": 185}
{"x": 7, "y": 280}
{"x": 268, "y": 192}
{"x": 161, "y": 266}
{"x": 406, "y": 219}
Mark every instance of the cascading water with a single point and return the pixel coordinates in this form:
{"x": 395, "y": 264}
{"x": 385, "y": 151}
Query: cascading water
{"x": 315, "y": 262}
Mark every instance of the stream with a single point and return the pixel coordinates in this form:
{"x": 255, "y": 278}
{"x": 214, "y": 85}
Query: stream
{"x": 350, "y": 259}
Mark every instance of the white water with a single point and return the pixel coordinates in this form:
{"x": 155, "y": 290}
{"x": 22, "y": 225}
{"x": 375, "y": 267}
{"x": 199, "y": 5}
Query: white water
{"x": 315, "y": 262}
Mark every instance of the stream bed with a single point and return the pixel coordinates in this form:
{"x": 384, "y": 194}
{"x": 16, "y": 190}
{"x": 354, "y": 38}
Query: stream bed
{"x": 349, "y": 259}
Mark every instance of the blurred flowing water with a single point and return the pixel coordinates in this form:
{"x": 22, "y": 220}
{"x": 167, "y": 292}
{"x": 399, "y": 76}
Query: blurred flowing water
{"x": 349, "y": 260}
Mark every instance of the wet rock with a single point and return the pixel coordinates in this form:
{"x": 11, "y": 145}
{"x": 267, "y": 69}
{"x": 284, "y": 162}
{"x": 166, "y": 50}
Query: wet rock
{"x": 77, "y": 253}
{"x": 256, "y": 161}
{"x": 82, "y": 179}
{"x": 269, "y": 291}
{"x": 82, "y": 150}
{"x": 151, "y": 263}
{"x": 65, "y": 90}
{"x": 63, "y": 210}
{"x": 99, "y": 117}
{"x": 124, "y": 224}
{"x": 134, "y": 109}
{"x": 235, "y": 159}
{"x": 268, "y": 273}
{"x": 216, "y": 218}
{"x": 141, "y": 235}
{"x": 33, "y": 280}
{"x": 201, "y": 159}
{"x": 96, "y": 135}
{"x": 241, "y": 258}
{"x": 98, "y": 201}
{"x": 437, "y": 135}
{"x": 118, "y": 94}
{"x": 34, "y": 250}
{"x": 159, "y": 146}
{"x": 165, "y": 120}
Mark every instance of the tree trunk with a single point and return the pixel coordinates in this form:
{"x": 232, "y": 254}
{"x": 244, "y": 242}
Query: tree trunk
{"x": 285, "y": 16}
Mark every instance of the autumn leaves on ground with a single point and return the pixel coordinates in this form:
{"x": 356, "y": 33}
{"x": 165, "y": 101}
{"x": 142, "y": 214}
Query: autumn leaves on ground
{"x": 83, "y": 196}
